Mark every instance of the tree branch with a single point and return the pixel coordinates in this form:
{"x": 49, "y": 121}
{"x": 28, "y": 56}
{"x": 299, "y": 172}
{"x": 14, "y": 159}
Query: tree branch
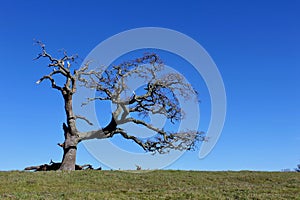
{"x": 84, "y": 119}
{"x": 175, "y": 141}
{"x": 59, "y": 67}
{"x": 53, "y": 84}
{"x": 133, "y": 138}
{"x": 136, "y": 121}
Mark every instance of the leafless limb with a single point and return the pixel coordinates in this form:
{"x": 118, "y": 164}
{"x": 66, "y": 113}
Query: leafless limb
{"x": 60, "y": 66}
{"x": 83, "y": 118}
{"x": 49, "y": 77}
{"x": 170, "y": 141}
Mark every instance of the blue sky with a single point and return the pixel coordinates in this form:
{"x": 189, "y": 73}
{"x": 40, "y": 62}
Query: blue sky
{"x": 255, "y": 44}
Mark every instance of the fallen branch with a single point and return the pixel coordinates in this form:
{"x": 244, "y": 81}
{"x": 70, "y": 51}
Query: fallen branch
{"x": 53, "y": 166}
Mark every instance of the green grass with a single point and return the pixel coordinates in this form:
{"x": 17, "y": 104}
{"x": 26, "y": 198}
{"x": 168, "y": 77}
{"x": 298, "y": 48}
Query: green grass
{"x": 151, "y": 185}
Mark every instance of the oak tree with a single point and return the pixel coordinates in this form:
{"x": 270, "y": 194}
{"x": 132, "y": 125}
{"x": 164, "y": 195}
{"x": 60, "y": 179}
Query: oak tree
{"x": 158, "y": 97}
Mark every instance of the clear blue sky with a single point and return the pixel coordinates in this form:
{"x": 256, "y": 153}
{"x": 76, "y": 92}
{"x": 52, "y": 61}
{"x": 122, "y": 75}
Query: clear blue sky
{"x": 255, "y": 44}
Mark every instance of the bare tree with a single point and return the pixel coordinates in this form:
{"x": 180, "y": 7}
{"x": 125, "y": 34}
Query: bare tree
{"x": 158, "y": 97}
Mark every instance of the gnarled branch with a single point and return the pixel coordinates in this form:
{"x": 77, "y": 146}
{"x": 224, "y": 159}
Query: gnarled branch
{"x": 53, "y": 84}
{"x": 59, "y": 67}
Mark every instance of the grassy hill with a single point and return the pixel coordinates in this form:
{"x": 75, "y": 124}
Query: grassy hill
{"x": 149, "y": 185}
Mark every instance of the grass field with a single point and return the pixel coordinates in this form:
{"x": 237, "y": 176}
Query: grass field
{"x": 150, "y": 185}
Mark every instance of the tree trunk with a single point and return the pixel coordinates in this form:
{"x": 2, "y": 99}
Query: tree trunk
{"x": 71, "y": 137}
{"x": 70, "y": 150}
{"x": 69, "y": 160}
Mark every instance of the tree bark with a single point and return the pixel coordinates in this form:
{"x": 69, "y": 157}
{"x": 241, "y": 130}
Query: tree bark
{"x": 71, "y": 137}
{"x": 70, "y": 150}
